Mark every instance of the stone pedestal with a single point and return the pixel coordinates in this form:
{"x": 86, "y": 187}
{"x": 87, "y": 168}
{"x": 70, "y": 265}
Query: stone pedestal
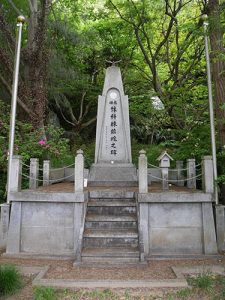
{"x": 112, "y": 175}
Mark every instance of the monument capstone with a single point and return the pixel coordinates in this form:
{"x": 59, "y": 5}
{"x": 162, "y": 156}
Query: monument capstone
{"x": 113, "y": 162}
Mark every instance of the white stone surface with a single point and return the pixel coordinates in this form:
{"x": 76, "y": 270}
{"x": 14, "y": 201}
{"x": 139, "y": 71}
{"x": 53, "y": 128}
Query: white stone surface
{"x": 208, "y": 178}
{"x": 46, "y": 172}
{"x": 44, "y": 228}
{"x": 142, "y": 172}
{"x": 34, "y": 172}
{"x": 15, "y": 180}
{"x": 177, "y": 224}
{"x": 113, "y": 125}
{"x": 191, "y": 173}
{"x": 79, "y": 172}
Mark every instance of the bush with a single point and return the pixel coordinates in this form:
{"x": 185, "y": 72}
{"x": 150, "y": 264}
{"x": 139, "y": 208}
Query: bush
{"x": 44, "y": 293}
{"x": 10, "y": 280}
{"x": 46, "y": 143}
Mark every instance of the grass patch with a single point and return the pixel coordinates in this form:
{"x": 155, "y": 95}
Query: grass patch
{"x": 10, "y": 280}
{"x": 95, "y": 294}
{"x": 202, "y": 286}
{"x": 106, "y": 294}
{"x": 203, "y": 281}
{"x": 184, "y": 293}
{"x": 45, "y": 293}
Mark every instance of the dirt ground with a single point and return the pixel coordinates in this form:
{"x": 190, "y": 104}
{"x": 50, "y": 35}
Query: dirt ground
{"x": 64, "y": 269}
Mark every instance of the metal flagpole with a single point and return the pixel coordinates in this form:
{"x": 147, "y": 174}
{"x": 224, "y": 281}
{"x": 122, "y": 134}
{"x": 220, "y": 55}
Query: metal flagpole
{"x": 211, "y": 111}
{"x": 20, "y": 21}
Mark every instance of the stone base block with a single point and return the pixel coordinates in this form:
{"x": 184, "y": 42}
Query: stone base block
{"x": 44, "y": 228}
{"x": 176, "y": 226}
{"x": 113, "y": 175}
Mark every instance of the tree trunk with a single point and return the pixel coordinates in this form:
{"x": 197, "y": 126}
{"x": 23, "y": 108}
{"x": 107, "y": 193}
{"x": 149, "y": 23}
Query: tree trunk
{"x": 218, "y": 66}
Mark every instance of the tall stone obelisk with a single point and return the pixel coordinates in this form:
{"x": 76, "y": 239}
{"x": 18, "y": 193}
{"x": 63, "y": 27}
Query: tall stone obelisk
{"x": 113, "y": 163}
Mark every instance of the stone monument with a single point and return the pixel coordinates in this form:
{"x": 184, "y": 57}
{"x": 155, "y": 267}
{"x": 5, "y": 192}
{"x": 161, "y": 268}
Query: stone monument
{"x": 113, "y": 164}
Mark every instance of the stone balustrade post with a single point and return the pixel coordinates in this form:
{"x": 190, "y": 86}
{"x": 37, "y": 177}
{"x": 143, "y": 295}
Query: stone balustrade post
{"x": 191, "y": 172}
{"x": 143, "y": 172}
{"x": 79, "y": 172}
{"x": 15, "y": 174}
{"x": 220, "y": 226}
{"x": 34, "y": 172}
{"x": 46, "y": 172}
{"x": 207, "y": 174}
{"x": 4, "y": 221}
{"x": 180, "y": 176}
{"x": 165, "y": 178}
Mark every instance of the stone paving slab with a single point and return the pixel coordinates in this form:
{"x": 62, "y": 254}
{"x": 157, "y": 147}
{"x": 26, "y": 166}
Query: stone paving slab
{"x": 68, "y": 187}
{"x": 179, "y": 282}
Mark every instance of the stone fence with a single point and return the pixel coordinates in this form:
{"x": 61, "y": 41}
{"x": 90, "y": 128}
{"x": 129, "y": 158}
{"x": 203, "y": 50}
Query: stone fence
{"x": 49, "y": 175}
{"x": 178, "y": 176}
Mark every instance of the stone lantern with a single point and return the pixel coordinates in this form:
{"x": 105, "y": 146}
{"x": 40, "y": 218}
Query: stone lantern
{"x": 164, "y": 163}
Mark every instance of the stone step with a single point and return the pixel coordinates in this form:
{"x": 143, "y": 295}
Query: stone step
{"x": 110, "y": 252}
{"x": 110, "y": 224}
{"x": 110, "y": 218}
{"x": 113, "y": 199}
{"x": 110, "y": 202}
{"x": 113, "y": 183}
{"x": 109, "y": 194}
{"x": 104, "y": 233}
{"x": 110, "y": 255}
{"x": 111, "y": 210}
{"x": 103, "y": 242}
{"x": 111, "y": 234}
{"x": 107, "y": 262}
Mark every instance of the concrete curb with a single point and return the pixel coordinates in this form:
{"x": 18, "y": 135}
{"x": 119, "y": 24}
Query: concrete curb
{"x": 179, "y": 282}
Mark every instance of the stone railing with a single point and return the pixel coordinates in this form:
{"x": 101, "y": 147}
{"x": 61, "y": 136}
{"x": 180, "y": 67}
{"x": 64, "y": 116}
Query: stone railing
{"x": 179, "y": 176}
{"x": 49, "y": 175}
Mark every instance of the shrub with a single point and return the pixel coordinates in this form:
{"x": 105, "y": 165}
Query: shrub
{"x": 10, "y": 280}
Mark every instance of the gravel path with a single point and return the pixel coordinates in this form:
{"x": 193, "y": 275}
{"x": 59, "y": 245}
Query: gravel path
{"x": 64, "y": 269}
{"x": 155, "y": 269}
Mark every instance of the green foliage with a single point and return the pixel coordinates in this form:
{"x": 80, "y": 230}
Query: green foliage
{"x": 202, "y": 286}
{"x": 49, "y": 143}
{"x": 3, "y": 177}
{"x": 83, "y": 36}
{"x": 152, "y": 152}
{"x": 221, "y": 179}
{"x": 192, "y": 144}
{"x": 184, "y": 293}
{"x": 88, "y": 148}
{"x": 32, "y": 143}
{"x": 203, "y": 281}
{"x": 10, "y": 280}
{"x": 45, "y": 293}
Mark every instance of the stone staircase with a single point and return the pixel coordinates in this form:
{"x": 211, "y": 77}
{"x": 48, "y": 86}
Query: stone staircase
{"x": 111, "y": 230}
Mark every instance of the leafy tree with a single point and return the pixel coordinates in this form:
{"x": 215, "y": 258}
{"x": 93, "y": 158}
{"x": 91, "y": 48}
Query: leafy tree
{"x": 33, "y": 76}
{"x": 214, "y": 10}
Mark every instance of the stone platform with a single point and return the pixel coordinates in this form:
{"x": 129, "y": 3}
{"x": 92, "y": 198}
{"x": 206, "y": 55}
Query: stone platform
{"x": 57, "y": 221}
{"x": 113, "y": 175}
